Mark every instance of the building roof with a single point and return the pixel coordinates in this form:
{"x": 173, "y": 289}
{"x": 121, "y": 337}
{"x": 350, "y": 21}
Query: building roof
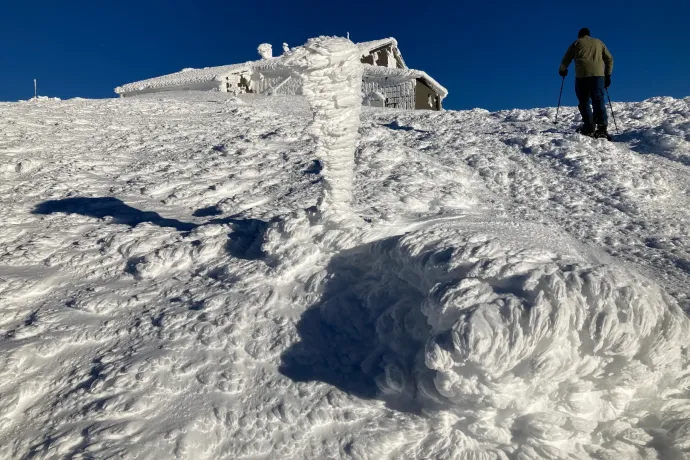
{"x": 395, "y": 75}
{"x": 185, "y": 77}
{"x": 208, "y": 74}
{"x": 368, "y": 47}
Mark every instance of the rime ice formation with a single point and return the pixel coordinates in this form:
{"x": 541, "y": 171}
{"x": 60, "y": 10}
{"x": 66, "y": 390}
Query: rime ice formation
{"x": 286, "y": 49}
{"x": 331, "y": 72}
{"x": 265, "y": 51}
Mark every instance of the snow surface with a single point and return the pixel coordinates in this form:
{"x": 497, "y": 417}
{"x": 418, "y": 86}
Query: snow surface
{"x": 509, "y": 289}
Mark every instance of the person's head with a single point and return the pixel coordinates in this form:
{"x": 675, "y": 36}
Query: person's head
{"x": 584, "y": 32}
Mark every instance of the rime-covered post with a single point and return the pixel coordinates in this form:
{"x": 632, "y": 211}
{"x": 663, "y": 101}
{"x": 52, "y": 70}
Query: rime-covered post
{"x": 331, "y": 73}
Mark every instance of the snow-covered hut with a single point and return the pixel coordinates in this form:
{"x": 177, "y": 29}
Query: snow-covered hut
{"x": 387, "y": 81}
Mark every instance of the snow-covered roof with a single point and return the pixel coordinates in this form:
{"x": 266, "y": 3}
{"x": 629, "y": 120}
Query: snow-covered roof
{"x": 368, "y": 47}
{"x": 208, "y": 74}
{"x": 379, "y": 73}
{"x": 185, "y": 77}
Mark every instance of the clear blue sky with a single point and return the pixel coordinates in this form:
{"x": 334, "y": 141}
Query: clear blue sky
{"x": 491, "y": 54}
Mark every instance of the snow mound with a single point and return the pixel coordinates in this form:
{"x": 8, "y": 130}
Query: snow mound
{"x": 521, "y": 350}
{"x": 20, "y": 166}
{"x": 659, "y": 126}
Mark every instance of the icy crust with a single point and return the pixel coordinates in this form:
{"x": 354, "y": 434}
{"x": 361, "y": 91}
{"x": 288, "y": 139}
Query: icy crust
{"x": 515, "y": 350}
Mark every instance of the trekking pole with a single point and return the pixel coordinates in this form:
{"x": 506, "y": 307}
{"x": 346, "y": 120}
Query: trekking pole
{"x": 555, "y": 122}
{"x": 612, "y": 112}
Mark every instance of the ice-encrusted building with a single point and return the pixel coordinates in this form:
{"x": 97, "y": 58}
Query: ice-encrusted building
{"x": 387, "y": 81}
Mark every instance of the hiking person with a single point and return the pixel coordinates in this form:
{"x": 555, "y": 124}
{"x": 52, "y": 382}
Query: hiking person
{"x": 593, "y": 68}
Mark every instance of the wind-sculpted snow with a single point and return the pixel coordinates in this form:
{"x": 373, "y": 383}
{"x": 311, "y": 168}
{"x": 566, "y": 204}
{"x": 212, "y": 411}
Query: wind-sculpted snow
{"x": 532, "y": 352}
{"x": 508, "y": 289}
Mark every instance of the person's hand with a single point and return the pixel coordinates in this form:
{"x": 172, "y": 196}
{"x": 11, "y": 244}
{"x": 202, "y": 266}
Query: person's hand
{"x": 607, "y": 81}
{"x": 563, "y": 73}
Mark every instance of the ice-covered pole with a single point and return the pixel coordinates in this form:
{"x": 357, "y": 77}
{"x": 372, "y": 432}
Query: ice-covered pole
{"x": 331, "y": 74}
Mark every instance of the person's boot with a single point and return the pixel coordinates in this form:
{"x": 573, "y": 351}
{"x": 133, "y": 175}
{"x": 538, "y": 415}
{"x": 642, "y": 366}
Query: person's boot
{"x": 584, "y": 130}
{"x": 601, "y": 132}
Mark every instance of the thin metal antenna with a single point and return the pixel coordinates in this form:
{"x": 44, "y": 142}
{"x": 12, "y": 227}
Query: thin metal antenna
{"x": 35, "y": 90}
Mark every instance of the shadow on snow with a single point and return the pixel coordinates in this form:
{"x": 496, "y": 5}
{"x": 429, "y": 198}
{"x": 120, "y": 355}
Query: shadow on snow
{"x": 396, "y": 126}
{"x": 244, "y": 242}
{"x": 365, "y": 333}
{"x": 654, "y": 142}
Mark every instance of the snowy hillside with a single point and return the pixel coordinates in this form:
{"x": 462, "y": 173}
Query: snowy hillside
{"x": 506, "y": 290}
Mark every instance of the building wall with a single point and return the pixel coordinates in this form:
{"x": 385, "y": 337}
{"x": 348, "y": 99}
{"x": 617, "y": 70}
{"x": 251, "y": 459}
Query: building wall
{"x": 236, "y": 84}
{"x": 407, "y": 95}
{"x": 263, "y": 85}
{"x": 400, "y": 95}
{"x": 422, "y": 93}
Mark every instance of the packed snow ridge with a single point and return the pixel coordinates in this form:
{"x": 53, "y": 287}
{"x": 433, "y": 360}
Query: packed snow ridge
{"x": 515, "y": 349}
{"x": 196, "y": 275}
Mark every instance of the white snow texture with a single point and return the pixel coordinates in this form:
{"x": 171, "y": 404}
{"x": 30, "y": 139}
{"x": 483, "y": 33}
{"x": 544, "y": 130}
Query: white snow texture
{"x": 491, "y": 286}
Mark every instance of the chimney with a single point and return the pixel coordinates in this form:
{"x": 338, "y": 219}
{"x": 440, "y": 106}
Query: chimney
{"x": 265, "y": 50}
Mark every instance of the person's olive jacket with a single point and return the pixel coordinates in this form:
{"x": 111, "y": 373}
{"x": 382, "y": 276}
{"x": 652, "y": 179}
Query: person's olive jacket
{"x": 592, "y": 58}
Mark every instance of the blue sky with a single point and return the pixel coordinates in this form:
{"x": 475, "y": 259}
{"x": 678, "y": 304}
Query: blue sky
{"x": 491, "y": 54}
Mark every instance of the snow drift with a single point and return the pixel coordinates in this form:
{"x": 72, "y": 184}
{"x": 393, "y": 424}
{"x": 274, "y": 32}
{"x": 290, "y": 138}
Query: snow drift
{"x": 531, "y": 352}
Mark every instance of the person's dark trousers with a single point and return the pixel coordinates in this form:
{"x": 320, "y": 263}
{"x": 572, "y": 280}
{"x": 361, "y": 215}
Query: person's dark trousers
{"x": 591, "y": 88}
